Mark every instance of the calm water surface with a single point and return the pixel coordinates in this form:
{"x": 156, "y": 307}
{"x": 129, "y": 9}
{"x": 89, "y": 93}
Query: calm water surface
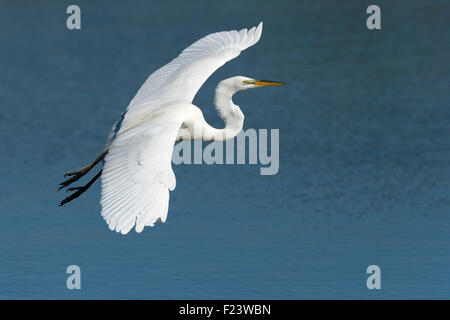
{"x": 364, "y": 152}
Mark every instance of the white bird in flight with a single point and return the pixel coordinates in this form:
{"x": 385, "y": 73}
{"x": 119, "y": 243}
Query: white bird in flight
{"x": 137, "y": 173}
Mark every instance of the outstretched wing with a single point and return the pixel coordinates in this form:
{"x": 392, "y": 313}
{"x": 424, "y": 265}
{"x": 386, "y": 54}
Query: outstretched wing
{"x": 179, "y": 80}
{"x": 137, "y": 173}
{"x": 137, "y": 176}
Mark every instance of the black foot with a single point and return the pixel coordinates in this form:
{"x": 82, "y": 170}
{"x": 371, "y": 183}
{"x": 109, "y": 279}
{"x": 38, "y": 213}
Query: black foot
{"x": 76, "y": 172}
{"x": 79, "y": 190}
{"x": 76, "y": 189}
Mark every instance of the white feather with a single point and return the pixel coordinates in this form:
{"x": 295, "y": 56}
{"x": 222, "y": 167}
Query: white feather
{"x": 137, "y": 174}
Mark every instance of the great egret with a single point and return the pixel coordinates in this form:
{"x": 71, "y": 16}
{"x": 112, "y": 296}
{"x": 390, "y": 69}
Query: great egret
{"x": 137, "y": 173}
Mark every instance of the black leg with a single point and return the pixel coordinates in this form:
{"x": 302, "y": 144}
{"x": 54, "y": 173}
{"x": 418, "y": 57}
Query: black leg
{"x": 80, "y": 190}
{"x": 77, "y": 174}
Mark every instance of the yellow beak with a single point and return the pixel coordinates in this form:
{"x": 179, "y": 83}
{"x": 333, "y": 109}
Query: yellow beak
{"x": 268, "y": 83}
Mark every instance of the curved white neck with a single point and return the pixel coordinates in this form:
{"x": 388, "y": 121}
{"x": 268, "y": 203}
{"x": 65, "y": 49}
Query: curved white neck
{"x": 228, "y": 111}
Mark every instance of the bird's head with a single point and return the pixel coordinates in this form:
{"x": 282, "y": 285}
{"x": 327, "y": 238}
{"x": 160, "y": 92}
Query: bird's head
{"x": 239, "y": 83}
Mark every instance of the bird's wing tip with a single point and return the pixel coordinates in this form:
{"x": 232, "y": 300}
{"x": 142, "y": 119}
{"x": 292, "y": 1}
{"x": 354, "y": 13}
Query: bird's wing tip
{"x": 259, "y": 29}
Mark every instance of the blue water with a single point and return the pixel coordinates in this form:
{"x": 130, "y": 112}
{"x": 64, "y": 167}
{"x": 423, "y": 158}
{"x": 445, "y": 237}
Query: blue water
{"x": 364, "y": 152}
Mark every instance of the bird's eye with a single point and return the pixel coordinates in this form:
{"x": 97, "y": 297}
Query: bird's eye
{"x": 247, "y": 81}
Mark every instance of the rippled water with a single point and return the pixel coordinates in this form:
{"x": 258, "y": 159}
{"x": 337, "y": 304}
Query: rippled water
{"x": 364, "y": 153}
